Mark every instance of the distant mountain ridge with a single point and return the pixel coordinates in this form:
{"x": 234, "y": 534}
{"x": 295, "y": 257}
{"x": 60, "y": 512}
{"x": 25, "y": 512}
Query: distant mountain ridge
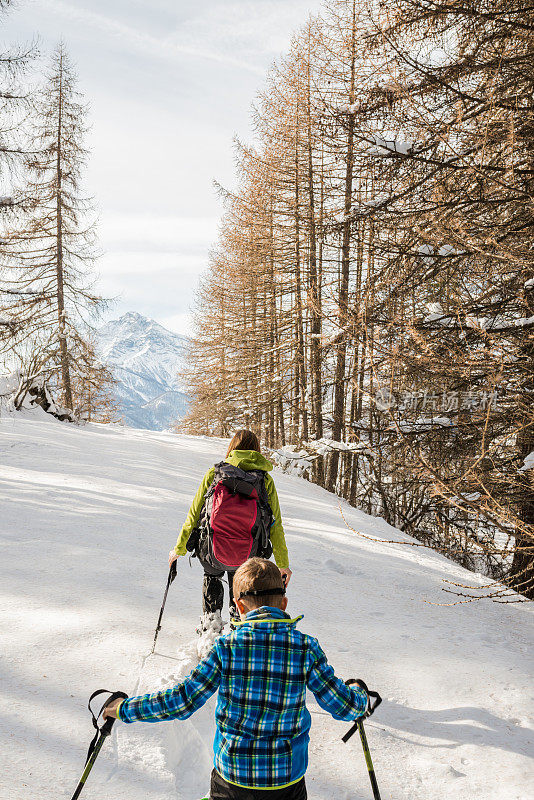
{"x": 145, "y": 359}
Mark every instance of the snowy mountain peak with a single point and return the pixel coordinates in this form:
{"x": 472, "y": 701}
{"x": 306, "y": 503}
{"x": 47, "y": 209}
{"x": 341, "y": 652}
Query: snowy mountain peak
{"x": 133, "y": 325}
{"x": 146, "y": 360}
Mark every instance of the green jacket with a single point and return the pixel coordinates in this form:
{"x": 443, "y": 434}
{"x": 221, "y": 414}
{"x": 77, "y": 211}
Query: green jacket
{"x": 245, "y": 459}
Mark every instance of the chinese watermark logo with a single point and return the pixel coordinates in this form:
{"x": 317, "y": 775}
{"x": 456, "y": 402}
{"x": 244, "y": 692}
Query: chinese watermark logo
{"x": 428, "y": 400}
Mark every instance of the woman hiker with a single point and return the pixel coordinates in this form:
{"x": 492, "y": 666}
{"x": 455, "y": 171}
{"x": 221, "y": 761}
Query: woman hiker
{"x": 234, "y": 515}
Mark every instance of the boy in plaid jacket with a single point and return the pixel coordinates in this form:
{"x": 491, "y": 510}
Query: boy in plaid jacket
{"x": 261, "y": 671}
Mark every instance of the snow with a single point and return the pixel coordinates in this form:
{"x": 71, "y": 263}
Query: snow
{"x": 422, "y": 424}
{"x": 528, "y": 462}
{"x": 428, "y": 253}
{"x": 438, "y": 316}
{"x": 380, "y": 199}
{"x": 529, "y": 284}
{"x": 524, "y": 322}
{"x": 503, "y": 323}
{"x": 382, "y": 147}
{"x": 211, "y": 625}
{"x": 298, "y": 462}
{"x": 474, "y": 322}
{"x": 435, "y": 308}
{"x": 88, "y": 517}
{"x": 19, "y": 391}
{"x": 10, "y": 383}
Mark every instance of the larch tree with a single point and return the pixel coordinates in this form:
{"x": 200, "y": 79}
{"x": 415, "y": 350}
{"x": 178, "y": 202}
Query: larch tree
{"x": 52, "y": 259}
{"x": 14, "y": 114}
{"x": 376, "y": 268}
{"x": 461, "y": 249}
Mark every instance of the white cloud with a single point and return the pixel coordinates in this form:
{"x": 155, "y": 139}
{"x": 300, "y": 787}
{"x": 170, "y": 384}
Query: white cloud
{"x": 155, "y": 265}
{"x": 144, "y": 233}
{"x": 179, "y": 323}
{"x": 166, "y": 47}
{"x": 250, "y": 27}
{"x": 152, "y": 265}
{"x": 169, "y": 82}
{"x": 161, "y": 285}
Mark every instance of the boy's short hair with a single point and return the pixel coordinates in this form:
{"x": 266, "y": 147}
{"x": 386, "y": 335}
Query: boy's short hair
{"x": 255, "y": 574}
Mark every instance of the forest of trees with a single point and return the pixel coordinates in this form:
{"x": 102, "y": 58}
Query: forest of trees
{"x": 48, "y": 244}
{"x": 369, "y": 305}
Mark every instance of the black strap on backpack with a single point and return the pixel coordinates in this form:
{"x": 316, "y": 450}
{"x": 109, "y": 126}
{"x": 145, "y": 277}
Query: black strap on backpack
{"x": 237, "y": 486}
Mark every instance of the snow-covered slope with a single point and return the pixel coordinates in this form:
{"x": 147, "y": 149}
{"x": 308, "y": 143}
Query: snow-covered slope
{"x": 87, "y": 518}
{"x": 145, "y": 358}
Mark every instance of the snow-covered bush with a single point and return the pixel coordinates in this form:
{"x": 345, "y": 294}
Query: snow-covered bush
{"x": 299, "y": 461}
{"x": 19, "y": 391}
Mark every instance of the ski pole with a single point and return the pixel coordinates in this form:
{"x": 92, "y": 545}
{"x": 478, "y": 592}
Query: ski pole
{"x": 100, "y": 736}
{"x": 172, "y": 576}
{"x": 358, "y": 726}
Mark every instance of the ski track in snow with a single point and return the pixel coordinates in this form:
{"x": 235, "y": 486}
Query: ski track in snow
{"x": 88, "y": 517}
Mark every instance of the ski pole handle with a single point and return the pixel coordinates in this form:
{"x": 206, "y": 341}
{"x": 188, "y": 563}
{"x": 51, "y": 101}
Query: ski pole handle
{"x": 374, "y": 697}
{"x": 102, "y": 732}
{"x": 105, "y": 729}
{"x": 107, "y": 725}
{"x": 373, "y": 703}
{"x": 358, "y": 726}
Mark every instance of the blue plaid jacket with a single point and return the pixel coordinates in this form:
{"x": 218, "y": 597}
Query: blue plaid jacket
{"x": 261, "y": 670}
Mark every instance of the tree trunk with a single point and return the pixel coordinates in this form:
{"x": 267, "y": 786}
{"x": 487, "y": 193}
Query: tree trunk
{"x": 300, "y": 370}
{"x": 521, "y": 577}
{"x": 339, "y": 376}
{"x": 314, "y": 296}
{"x": 63, "y": 351}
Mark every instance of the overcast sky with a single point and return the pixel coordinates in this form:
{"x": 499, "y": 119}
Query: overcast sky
{"x": 169, "y": 83}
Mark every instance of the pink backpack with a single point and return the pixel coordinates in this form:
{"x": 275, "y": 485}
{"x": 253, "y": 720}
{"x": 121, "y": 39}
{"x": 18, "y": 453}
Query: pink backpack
{"x": 236, "y": 518}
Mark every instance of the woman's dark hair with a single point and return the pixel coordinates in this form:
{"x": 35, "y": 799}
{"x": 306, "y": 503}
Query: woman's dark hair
{"x": 244, "y": 440}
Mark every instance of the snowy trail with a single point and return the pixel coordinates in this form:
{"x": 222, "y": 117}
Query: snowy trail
{"x": 87, "y": 518}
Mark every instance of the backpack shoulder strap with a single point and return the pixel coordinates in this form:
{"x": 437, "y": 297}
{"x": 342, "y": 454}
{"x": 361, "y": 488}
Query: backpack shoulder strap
{"x": 217, "y": 475}
{"x": 218, "y": 470}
